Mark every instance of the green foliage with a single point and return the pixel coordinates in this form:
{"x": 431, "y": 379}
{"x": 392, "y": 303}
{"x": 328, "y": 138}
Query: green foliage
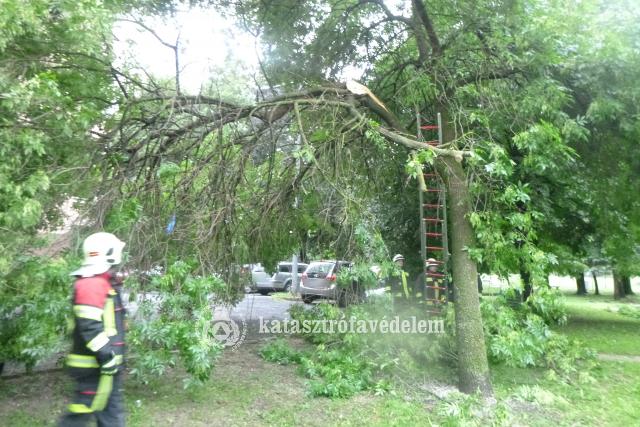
{"x": 633, "y": 312}
{"x": 519, "y": 334}
{"x": 173, "y": 325}
{"x": 548, "y": 304}
{"x": 280, "y": 352}
{"x": 35, "y": 311}
{"x": 342, "y": 363}
{"x": 359, "y": 274}
{"x": 334, "y": 370}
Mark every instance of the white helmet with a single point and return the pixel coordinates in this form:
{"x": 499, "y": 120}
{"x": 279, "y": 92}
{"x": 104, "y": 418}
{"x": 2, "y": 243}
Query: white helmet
{"x": 431, "y": 262}
{"x": 101, "y": 252}
{"x": 398, "y": 257}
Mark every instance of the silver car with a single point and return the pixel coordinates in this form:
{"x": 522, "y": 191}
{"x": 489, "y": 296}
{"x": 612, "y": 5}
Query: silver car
{"x": 282, "y": 279}
{"x": 254, "y": 274}
{"x": 320, "y": 281}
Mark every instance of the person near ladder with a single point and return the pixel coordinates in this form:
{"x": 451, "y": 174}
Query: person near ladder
{"x": 96, "y": 358}
{"x": 434, "y": 290}
{"x": 400, "y": 290}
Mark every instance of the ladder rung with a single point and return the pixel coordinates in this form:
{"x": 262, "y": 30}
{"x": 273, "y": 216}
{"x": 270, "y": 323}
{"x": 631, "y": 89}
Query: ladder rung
{"x": 435, "y": 274}
{"x": 432, "y": 219}
{"x": 432, "y": 205}
{"x": 436, "y": 262}
{"x": 434, "y": 190}
{"x": 434, "y": 234}
{"x": 432, "y": 142}
{"x": 430, "y": 174}
{"x": 435, "y": 248}
{"x": 435, "y": 287}
{"x": 429, "y": 127}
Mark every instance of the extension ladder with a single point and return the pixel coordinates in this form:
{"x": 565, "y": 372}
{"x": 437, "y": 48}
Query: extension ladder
{"x": 433, "y": 229}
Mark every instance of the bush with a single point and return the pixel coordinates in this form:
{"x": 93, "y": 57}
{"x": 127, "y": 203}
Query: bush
{"x": 520, "y": 335}
{"x": 342, "y": 364}
{"x": 35, "y": 313}
{"x": 629, "y": 312}
{"x": 175, "y": 326}
{"x": 549, "y": 304}
{"x": 280, "y": 352}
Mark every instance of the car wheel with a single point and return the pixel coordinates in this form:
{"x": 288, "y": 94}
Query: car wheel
{"x": 262, "y": 292}
{"x": 286, "y": 286}
{"x": 307, "y": 299}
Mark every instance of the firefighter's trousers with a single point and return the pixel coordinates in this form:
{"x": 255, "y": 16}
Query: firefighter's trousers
{"x": 96, "y": 397}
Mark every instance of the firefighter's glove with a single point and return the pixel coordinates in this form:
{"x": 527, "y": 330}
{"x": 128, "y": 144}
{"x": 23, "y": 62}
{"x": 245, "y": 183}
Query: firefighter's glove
{"x": 111, "y": 365}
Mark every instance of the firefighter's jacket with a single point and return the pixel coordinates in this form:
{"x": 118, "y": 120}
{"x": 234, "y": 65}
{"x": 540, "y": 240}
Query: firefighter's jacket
{"x": 98, "y": 335}
{"x": 399, "y": 287}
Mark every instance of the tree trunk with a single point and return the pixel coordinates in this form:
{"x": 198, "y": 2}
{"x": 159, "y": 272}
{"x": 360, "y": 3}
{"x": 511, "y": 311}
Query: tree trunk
{"x": 626, "y": 282}
{"x": 618, "y": 286}
{"x": 582, "y": 286}
{"x": 595, "y": 282}
{"x": 473, "y": 367}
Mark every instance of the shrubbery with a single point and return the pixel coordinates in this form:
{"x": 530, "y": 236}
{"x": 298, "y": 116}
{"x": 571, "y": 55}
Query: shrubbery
{"x": 173, "y": 324}
{"x": 342, "y": 364}
{"x": 520, "y": 335}
{"x": 35, "y": 310}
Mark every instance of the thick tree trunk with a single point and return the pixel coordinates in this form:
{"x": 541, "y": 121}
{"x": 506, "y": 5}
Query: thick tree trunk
{"x": 618, "y": 286}
{"x": 626, "y": 282}
{"x": 582, "y": 286}
{"x": 473, "y": 367}
{"x": 595, "y": 283}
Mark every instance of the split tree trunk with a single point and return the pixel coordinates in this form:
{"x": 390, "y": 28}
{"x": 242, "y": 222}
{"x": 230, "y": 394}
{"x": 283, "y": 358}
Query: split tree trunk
{"x": 473, "y": 367}
{"x": 595, "y": 283}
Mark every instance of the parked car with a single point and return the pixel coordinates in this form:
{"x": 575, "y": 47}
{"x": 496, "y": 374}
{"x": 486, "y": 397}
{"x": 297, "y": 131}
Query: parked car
{"x": 255, "y": 273}
{"x": 320, "y": 281}
{"x": 282, "y": 278}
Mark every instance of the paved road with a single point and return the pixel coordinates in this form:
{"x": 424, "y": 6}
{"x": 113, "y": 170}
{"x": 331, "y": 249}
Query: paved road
{"x": 256, "y": 306}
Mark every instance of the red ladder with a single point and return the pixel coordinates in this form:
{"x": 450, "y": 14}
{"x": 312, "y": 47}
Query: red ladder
{"x": 433, "y": 229}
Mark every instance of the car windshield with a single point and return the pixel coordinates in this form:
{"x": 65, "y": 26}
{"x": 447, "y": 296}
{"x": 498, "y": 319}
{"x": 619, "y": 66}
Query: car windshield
{"x": 319, "y": 270}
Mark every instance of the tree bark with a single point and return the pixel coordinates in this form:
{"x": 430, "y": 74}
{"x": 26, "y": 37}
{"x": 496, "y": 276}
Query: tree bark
{"x": 582, "y": 286}
{"x": 618, "y": 286}
{"x": 626, "y": 281}
{"x": 595, "y": 283}
{"x": 473, "y": 367}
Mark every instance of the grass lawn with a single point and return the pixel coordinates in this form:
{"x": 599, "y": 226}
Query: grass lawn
{"x": 244, "y": 391}
{"x": 593, "y": 321}
{"x": 247, "y": 391}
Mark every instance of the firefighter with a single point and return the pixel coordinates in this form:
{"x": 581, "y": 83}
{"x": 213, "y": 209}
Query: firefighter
{"x": 96, "y": 359}
{"x": 400, "y": 290}
{"x": 435, "y": 292}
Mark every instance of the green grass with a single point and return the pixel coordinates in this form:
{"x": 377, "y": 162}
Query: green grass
{"x": 244, "y": 391}
{"x": 608, "y": 395}
{"x": 247, "y": 391}
{"x": 592, "y": 321}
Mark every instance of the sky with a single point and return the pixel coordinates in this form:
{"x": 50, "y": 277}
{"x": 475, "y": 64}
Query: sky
{"x": 205, "y": 39}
